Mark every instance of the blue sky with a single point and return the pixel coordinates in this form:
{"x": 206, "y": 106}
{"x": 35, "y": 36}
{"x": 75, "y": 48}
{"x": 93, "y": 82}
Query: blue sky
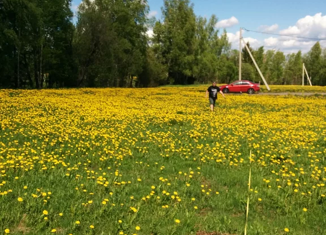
{"x": 253, "y": 13}
{"x": 295, "y": 17}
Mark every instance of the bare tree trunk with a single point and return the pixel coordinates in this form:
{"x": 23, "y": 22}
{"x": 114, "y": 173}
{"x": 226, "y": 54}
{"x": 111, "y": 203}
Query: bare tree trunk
{"x": 36, "y": 70}
{"x": 18, "y": 63}
{"x": 41, "y": 68}
{"x": 81, "y": 75}
{"x": 18, "y": 68}
{"x": 130, "y": 81}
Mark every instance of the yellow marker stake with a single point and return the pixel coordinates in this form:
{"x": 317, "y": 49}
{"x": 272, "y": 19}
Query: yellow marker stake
{"x": 247, "y": 211}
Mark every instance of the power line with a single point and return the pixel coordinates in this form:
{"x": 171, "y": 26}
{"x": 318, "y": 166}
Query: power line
{"x": 285, "y": 35}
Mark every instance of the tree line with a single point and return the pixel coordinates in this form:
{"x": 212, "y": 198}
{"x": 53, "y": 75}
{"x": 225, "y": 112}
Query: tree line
{"x": 108, "y": 46}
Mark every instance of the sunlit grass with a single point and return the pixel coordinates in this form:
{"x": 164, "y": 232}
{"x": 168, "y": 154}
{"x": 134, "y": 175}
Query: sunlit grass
{"x": 156, "y": 161}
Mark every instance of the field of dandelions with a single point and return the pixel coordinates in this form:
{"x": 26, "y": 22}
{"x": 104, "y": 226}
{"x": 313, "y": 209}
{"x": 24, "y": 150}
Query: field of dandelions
{"x": 157, "y": 161}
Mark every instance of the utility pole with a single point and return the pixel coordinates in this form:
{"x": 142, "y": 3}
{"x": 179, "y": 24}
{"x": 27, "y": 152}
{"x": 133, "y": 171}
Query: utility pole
{"x": 304, "y": 69}
{"x": 253, "y": 59}
{"x": 240, "y": 56}
{"x": 303, "y": 74}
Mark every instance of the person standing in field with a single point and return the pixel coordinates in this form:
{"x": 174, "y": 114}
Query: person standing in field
{"x": 212, "y": 91}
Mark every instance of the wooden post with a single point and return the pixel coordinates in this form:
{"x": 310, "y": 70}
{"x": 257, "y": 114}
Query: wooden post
{"x": 304, "y": 67}
{"x": 253, "y": 59}
{"x": 303, "y": 74}
{"x": 240, "y": 55}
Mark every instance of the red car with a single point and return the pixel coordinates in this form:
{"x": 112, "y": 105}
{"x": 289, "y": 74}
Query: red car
{"x": 241, "y": 86}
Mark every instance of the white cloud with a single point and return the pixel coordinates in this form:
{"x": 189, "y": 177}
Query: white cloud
{"x": 292, "y": 30}
{"x": 289, "y": 45}
{"x": 270, "y": 42}
{"x": 234, "y": 40}
{"x": 227, "y": 23}
{"x": 309, "y": 26}
{"x": 268, "y": 29}
{"x": 150, "y": 33}
{"x": 152, "y": 14}
{"x": 254, "y": 43}
{"x": 313, "y": 27}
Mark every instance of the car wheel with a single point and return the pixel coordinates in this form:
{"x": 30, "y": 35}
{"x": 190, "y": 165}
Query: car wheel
{"x": 251, "y": 91}
{"x": 225, "y": 90}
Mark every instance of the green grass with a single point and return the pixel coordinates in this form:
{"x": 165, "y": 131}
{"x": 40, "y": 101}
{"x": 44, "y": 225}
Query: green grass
{"x": 64, "y": 141}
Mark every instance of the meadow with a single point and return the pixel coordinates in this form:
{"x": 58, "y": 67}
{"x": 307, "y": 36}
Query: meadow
{"x": 157, "y": 161}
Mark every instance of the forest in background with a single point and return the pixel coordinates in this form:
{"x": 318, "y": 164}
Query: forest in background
{"x": 108, "y": 46}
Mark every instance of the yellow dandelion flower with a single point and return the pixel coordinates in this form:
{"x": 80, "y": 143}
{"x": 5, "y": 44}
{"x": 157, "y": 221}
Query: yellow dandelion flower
{"x": 133, "y": 209}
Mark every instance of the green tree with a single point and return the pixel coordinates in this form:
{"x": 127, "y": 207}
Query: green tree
{"x": 267, "y": 68}
{"x": 155, "y": 73}
{"x": 288, "y": 70}
{"x": 245, "y": 54}
{"x": 322, "y": 78}
{"x": 259, "y": 56}
{"x": 248, "y": 72}
{"x": 297, "y": 68}
{"x": 313, "y": 62}
{"x": 207, "y": 51}
{"x": 277, "y": 68}
{"x": 227, "y": 71}
{"x": 36, "y": 42}
{"x": 174, "y": 39}
{"x": 110, "y": 42}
